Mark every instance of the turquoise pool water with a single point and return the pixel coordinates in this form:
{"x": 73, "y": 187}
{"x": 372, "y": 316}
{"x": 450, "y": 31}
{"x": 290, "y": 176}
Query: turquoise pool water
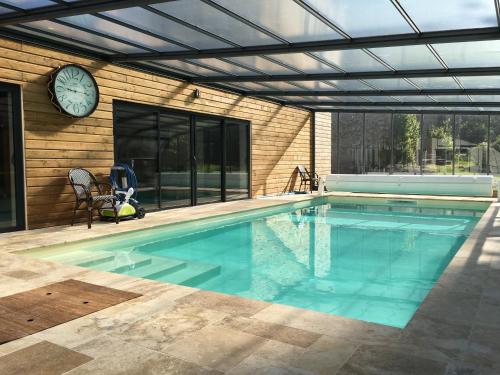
{"x": 372, "y": 260}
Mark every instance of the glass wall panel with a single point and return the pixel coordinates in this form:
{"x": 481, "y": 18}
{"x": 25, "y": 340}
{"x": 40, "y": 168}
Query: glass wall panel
{"x": 175, "y": 160}
{"x": 335, "y": 143}
{"x": 471, "y": 144}
{"x": 136, "y": 144}
{"x": 208, "y": 152}
{"x": 237, "y": 157}
{"x": 377, "y": 142}
{"x": 494, "y": 157}
{"x": 351, "y": 143}
{"x": 437, "y": 146}
{"x": 406, "y": 143}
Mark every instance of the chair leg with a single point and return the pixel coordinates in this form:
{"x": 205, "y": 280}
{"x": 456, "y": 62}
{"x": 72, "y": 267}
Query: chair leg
{"x": 89, "y": 215}
{"x": 74, "y": 213}
{"x": 117, "y": 219}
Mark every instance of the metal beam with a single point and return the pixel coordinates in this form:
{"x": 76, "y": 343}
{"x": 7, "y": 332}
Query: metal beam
{"x": 421, "y": 73}
{"x": 70, "y": 9}
{"x": 393, "y": 104}
{"x": 405, "y": 111}
{"x": 408, "y": 39}
{"x": 434, "y": 92}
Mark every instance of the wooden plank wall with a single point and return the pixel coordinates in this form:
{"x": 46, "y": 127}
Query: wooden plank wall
{"x": 323, "y": 143}
{"x": 54, "y": 143}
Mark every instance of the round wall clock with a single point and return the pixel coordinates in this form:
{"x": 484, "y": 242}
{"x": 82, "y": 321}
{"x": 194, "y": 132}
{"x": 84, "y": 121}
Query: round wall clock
{"x": 73, "y": 91}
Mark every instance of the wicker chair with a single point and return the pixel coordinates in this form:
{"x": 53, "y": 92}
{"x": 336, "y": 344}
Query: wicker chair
{"x": 83, "y": 183}
{"x": 307, "y": 177}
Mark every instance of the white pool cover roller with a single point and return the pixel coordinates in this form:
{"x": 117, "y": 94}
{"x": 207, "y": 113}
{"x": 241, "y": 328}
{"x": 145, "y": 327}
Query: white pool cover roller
{"x": 474, "y": 185}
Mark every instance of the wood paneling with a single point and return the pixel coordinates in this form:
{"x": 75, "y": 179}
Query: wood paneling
{"x": 55, "y": 143}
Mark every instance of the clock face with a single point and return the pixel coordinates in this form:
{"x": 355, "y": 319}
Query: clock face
{"x": 74, "y": 91}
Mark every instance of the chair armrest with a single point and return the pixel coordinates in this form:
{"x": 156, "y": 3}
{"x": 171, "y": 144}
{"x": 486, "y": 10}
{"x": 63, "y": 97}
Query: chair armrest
{"x": 84, "y": 187}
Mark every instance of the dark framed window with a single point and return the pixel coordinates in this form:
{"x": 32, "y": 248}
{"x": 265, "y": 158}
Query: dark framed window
{"x": 182, "y": 158}
{"x": 11, "y": 160}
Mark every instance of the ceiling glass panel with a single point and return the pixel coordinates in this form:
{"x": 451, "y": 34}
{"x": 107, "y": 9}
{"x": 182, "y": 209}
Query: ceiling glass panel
{"x": 281, "y": 86}
{"x": 222, "y": 65}
{"x": 352, "y": 60}
{"x": 414, "y": 98}
{"x": 166, "y": 69}
{"x": 29, "y": 4}
{"x": 470, "y": 54}
{"x": 314, "y": 85}
{"x": 435, "y": 83}
{"x": 390, "y": 84}
{"x": 190, "y": 68}
{"x": 451, "y": 98}
{"x": 363, "y": 17}
{"x": 350, "y": 85}
{"x": 69, "y": 41}
{"x": 5, "y": 10}
{"x": 98, "y": 41}
{"x": 250, "y": 86}
{"x": 407, "y": 57}
{"x": 283, "y": 17}
{"x": 261, "y": 64}
{"x": 154, "y": 23}
{"x": 211, "y": 19}
{"x": 485, "y": 82}
{"x": 432, "y": 15}
{"x": 380, "y": 99}
{"x": 485, "y": 98}
{"x": 93, "y": 23}
{"x": 303, "y": 62}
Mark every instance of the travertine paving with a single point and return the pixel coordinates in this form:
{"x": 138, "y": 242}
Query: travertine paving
{"x": 174, "y": 329}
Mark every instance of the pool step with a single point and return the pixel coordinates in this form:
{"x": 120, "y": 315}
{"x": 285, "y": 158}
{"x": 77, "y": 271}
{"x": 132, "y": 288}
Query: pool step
{"x": 157, "y": 269}
{"x": 83, "y": 258}
{"x": 120, "y": 264}
{"x": 193, "y": 274}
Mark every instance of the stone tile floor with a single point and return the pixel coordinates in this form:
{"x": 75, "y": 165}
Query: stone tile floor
{"x": 174, "y": 329}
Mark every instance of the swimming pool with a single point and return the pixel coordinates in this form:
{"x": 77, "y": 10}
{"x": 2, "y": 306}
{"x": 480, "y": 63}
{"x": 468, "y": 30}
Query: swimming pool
{"x": 368, "y": 259}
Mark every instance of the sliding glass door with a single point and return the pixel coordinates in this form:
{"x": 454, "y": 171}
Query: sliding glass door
{"x": 208, "y": 157}
{"x": 182, "y": 158}
{"x": 11, "y": 160}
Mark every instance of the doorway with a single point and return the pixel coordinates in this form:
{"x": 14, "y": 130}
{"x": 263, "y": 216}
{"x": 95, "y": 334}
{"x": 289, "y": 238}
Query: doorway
{"x": 11, "y": 160}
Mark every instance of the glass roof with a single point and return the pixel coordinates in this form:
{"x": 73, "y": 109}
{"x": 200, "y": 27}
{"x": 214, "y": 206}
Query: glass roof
{"x": 300, "y": 45}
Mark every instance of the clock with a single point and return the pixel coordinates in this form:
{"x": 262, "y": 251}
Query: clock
{"x": 73, "y": 91}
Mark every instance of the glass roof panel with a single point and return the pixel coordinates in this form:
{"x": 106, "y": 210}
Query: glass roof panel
{"x": 283, "y": 17}
{"x": 350, "y": 84}
{"x": 414, "y": 98}
{"x": 390, "y": 84}
{"x": 485, "y": 98}
{"x": 360, "y": 18}
{"x": 303, "y": 62}
{"x": 250, "y": 86}
{"x": 407, "y": 57}
{"x": 435, "y": 83}
{"x": 190, "y": 68}
{"x": 314, "y": 85}
{"x": 69, "y": 41}
{"x": 100, "y": 25}
{"x": 470, "y": 54}
{"x": 154, "y": 23}
{"x": 222, "y": 65}
{"x": 485, "y": 82}
{"x": 213, "y": 20}
{"x": 354, "y": 60}
{"x": 98, "y": 41}
{"x": 379, "y": 99}
{"x": 261, "y": 64}
{"x": 29, "y": 4}
{"x": 4, "y": 10}
{"x": 432, "y": 15}
{"x": 451, "y": 98}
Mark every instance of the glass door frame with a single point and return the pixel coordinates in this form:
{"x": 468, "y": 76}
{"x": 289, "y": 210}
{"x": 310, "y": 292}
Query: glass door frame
{"x": 193, "y": 116}
{"x": 18, "y": 152}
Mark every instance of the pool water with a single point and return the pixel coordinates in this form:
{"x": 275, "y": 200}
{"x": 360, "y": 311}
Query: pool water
{"x": 372, "y": 260}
